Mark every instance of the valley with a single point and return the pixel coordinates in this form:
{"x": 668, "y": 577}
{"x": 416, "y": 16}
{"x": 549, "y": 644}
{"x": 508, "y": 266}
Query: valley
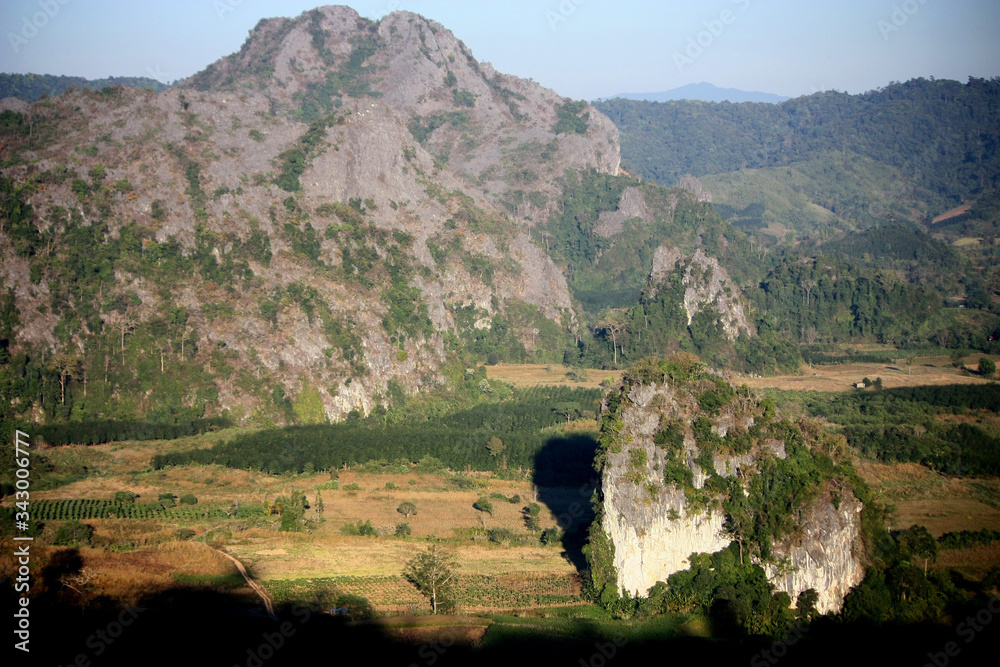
{"x": 350, "y": 338}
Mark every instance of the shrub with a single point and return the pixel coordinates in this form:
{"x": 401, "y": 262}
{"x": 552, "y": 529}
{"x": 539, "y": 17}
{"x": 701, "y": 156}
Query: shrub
{"x": 551, "y": 536}
{"x": 484, "y": 505}
{"x": 353, "y": 486}
{"x": 184, "y": 534}
{"x": 501, "y": 535}
{"x": 189, "y": 499}
{"x": 73, "y": 534}
{"x": 403, "y": 530}
{"x": 987, "y": 367}
{"x": 359, "y": 528}
{"x": 125, "y": 497}
{"x": 514, "y": 499}
{"x": 391, "y": 486}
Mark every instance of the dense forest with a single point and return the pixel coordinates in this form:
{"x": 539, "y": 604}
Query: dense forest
{"x": 499, "y": 436}
{"x": 941, "y": 133}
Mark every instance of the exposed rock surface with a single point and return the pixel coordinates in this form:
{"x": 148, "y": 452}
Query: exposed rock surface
{"x": 632, "y": 205}
{"x": 429, "y": 138}
{"x": 654, "y": 527}
{"x": 707, "y": 286}
{"x": 823, "y": 555}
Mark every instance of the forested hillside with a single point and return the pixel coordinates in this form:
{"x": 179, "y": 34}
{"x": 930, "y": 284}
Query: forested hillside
{"x": 941, "y": 136}
{"x": 31, "y": 87}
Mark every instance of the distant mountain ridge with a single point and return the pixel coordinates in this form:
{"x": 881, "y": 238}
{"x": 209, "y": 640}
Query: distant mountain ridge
{"x": 31, "y": 87}
{"x": 704, "y": 92}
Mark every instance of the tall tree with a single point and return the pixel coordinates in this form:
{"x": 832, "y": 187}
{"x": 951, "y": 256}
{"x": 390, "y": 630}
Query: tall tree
{"x": 434, "y": 573}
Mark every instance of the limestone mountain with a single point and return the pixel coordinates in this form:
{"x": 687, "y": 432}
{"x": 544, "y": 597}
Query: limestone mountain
{"x": 310, "y": 226}
{"x": 689, "y": 464}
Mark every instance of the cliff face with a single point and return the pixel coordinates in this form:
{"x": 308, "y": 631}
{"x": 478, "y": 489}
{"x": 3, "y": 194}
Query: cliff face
{"x": 655, "y": 524}
{"x": 822, "y": 556}
{"x": 706, "y": 287}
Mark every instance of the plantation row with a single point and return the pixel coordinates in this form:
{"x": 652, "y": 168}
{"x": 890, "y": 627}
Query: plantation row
{"x": 959, "y": 450}
{"x": 97, "y": 433}
{"x": 479, "y": 591}
{"x": 67, "y": 510}
{"x": 557, "y": 461}
{"x": 902, "y": 405}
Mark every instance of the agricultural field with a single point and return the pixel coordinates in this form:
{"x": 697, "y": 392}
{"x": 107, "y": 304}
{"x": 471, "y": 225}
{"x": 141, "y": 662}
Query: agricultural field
{"x": 929, "y": 370}
{"x": 152, "y": 540}
{"x": 532, "y": 375}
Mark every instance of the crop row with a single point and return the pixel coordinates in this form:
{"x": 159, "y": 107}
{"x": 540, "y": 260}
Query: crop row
{"x": 87, "y": 508}
{"x": 389, "y": 591}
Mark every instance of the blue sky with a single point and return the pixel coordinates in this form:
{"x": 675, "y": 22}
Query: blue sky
{"x": 581, "y": 48}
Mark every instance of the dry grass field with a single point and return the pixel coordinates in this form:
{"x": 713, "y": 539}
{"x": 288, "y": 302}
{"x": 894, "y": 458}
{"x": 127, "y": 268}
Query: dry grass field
{"x": 133, "y": 557}
{"x": 532, "y": 375}
{"x": 943, "y": 505}
{"x": 933, "y": 370}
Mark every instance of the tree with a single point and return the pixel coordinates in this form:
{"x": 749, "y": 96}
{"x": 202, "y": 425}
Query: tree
{"x": 433, "y": 572}
{"x": 987, "y": 367}
{"x": 806, "y": 604}
{"x": 68, "y": 367}
{"x": 612, "y": 324}
{"x": 407, "y": 509}
{"x": 320, "y": 508}
{"x": 495, "y": 446}
{"x": 484, "y": 505}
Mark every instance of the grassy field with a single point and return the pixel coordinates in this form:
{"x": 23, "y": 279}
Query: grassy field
{"x": 942, "y": 504}
{"x": 131, "y": 557}
{"x": 931, "y": 370}
{"x": 531, "y": 375}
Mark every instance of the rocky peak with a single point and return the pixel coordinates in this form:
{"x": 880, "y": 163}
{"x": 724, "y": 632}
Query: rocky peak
{"x": 706, "y": 287}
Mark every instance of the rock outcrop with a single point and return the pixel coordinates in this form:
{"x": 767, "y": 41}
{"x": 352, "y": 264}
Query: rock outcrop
{"x": 655, "y": 524}
{"x": 706, "y": 287}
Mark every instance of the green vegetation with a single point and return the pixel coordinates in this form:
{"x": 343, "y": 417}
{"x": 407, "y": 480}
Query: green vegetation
{"x": 569, "y": 120}
{"x": 454, "y": 440}
{"x": 434, "y": 573}
{"x": 32, "y": 87}
{"x": 664, "y": 141}
{"x": 903, "y": 424}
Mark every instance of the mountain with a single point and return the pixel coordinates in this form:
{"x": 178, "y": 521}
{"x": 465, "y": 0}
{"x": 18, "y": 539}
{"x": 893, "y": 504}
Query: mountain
{"x": 346, "y": 213}
{"x": 31, "y": 87}
{"x": 704, "y": 92}
{"x": 908, "y": 151}
{"x": 333, "y": 218}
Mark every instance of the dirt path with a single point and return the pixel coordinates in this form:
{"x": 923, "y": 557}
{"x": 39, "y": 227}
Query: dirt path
{"x": 257, "y": 588}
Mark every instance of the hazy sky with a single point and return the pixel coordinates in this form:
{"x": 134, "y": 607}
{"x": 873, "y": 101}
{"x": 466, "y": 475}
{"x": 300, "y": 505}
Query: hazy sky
{"x": 581, "y": 48}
